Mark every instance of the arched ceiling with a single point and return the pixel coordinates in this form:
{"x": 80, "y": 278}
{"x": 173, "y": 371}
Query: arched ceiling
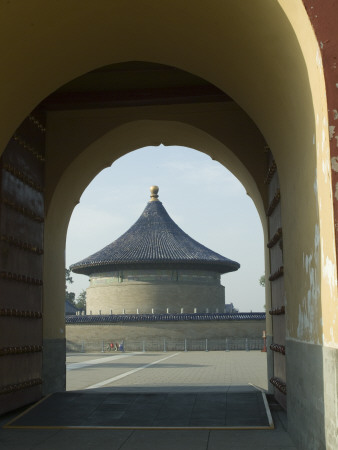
{"x": 248, "y": 50}
{"x": 130, "y": 84}
{"x": 139, "y": 91}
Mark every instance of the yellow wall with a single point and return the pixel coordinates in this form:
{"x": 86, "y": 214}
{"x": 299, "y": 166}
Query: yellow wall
{"x": 263, "y": 54}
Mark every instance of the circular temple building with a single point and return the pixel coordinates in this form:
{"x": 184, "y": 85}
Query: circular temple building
{"x": 155, "y": 268}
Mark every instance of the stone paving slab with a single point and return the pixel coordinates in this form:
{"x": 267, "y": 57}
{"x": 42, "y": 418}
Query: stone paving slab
{"x": 182, "y": 371}
{"x": 166, "y": 410}
{"x": 278, "y": 439}
{"x": 239, "y": 368}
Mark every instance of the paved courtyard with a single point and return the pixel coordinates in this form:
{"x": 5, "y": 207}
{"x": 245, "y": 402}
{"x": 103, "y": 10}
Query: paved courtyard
{"x": 203, "y": 372}
{"x": 163, "y": 372}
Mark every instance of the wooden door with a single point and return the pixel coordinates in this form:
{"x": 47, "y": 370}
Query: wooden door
{"x": 21, "y": 264}
{"x": 276, "y": 278}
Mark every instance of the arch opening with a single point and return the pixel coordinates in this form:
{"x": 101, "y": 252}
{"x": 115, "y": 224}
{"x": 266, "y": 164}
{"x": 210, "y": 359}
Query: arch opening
{"x": 190, "y": 184}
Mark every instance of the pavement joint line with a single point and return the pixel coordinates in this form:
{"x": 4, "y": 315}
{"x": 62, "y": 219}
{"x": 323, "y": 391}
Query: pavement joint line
{"x": 93, "y": 362}
{"x": 257, "y": 387}
{"x": 130, "y": 372}
{"x": 141, "y": 428}
{"x": 8, "y": 425}
{"x": 267, "y": 410}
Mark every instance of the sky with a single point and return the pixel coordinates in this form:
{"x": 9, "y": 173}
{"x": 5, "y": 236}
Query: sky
{"x": 199, "y": 194}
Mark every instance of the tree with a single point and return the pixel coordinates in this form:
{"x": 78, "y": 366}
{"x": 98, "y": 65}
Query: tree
{"x": 69, "y": 278}
{"x": 81, "y": 300}
{"x": 262, "y": 281}
{"x": 69, "y": 296}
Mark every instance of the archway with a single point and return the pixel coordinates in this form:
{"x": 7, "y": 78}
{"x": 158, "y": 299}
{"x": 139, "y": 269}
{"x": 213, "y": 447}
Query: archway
{"x": 207, "y": 201}
{"x": 283, "y": 92}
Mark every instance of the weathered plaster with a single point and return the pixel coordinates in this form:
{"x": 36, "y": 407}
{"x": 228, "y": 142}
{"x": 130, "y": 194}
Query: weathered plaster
{"x": 308, "y": 308}
{"x": 330, "y": 277}
{"x": 325, "y": 152}
{"x": 332, "y": 131}
{"x": 336, "y": 138}
{"x": 319, "y": 61}
{"x": 327, "y": 160}
{"x": 329, "y": 271}
{"x": 328, "y": 257}
{"x": 334, "y": 163}
{"x": 327, "y": 264}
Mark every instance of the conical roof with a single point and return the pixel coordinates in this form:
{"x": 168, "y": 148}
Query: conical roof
{"x": 154, "y": 241}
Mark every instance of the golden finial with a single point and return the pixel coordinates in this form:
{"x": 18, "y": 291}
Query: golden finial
{"x": 153, "y": 193}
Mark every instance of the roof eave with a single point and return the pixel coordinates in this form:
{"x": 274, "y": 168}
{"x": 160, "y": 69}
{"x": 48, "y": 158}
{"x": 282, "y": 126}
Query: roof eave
{"x": 215, "y": 266}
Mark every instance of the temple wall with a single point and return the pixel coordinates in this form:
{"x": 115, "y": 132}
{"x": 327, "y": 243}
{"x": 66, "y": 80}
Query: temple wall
{"x": 146, "y": 297}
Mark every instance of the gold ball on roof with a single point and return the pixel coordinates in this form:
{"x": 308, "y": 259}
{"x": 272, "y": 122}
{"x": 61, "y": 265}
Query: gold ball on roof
{"x": 154, "y": 191}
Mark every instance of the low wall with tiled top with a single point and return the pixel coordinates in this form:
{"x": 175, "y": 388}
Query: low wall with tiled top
{"x": 118, "y": 331}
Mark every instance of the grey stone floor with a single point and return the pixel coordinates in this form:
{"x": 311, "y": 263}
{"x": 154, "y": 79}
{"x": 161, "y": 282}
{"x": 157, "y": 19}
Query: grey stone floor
{"x": 192, "y": 372}
{"x": 152, "y": 410}
{"x": 47, "y": 439}
{"x": 167, "y": 372}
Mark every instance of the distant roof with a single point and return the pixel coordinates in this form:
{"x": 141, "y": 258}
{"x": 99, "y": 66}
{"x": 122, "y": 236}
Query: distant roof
{"x": 70, "y": 309}
{"x": 154, "y": 240}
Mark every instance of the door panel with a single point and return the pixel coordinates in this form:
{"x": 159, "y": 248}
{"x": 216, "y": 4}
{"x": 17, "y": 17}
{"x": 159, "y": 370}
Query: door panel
{"x": 276, "y": 278}
{"x": 21, "y": 264}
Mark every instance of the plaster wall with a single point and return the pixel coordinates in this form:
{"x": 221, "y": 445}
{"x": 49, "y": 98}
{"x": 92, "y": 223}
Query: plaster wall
{"x": 318, "y": 260}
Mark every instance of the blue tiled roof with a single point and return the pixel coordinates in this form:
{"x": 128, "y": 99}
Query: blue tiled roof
{"x": 69, "y": 308}
{"x": 194, "y": 317}
{"x": 152, "y": 240}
